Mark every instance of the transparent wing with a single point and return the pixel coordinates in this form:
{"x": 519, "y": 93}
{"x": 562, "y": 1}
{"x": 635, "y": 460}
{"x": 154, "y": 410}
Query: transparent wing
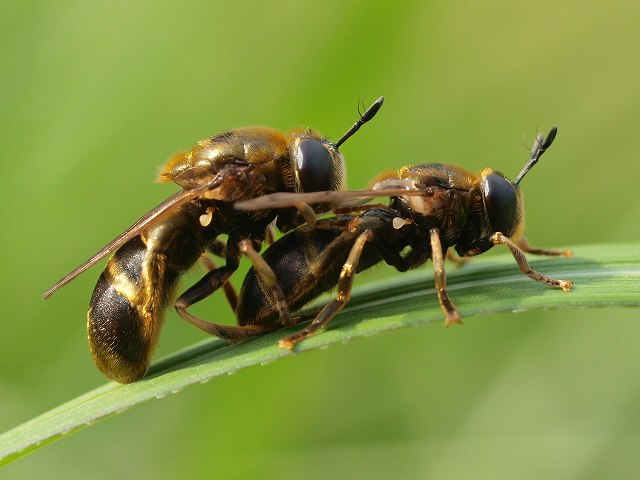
{"x": 161, "y": 211}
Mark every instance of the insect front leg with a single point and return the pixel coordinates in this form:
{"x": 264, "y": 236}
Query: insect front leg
{"x": 525, "y": 246}
{"x": 452, "y": 315}
{"x": 344, "y": 293}
{"x": 475, "y": 248}
{"x": 523, "y": 264}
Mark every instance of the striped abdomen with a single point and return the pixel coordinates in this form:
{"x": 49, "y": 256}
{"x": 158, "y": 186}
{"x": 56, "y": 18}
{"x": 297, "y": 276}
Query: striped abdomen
{"x": 128, "y": 303}
{"x": 308, "y": 262}
{"x": 294, "y": 259}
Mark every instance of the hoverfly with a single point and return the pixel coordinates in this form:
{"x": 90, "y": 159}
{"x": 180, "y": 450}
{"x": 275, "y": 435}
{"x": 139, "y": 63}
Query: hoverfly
{"x": 444, "y": 207}
{"x": 128, "y": 303}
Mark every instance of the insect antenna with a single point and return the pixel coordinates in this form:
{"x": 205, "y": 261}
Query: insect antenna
{"x": 364, "y": 118}
{"x": 539, "y": 147}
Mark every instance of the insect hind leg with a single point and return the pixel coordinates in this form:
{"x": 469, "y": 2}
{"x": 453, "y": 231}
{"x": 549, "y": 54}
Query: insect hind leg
{"x": 202, "y": 289}
{"x": 229, "y": 291}
{"x": 209, "y": 283}
{"x": 218, "y": 277}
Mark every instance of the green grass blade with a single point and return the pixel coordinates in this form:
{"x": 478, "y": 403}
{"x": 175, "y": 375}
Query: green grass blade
{"x": 603, "y": 275}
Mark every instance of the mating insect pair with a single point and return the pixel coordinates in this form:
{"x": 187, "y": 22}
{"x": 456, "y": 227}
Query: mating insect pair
{"x": 433, "y": 207}
{"x": 444, "y": 206}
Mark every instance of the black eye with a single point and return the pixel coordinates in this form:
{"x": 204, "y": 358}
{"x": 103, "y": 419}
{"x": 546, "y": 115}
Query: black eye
{"x": 500, "y": 201}
{"x": 315, "y": 166}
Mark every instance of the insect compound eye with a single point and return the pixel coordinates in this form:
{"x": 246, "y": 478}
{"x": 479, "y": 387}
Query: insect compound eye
{"x": 501, "y": 202}
{"x": 314, "y": 166}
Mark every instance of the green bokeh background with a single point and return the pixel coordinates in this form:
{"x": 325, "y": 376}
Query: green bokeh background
{"x": 94, "y": 97}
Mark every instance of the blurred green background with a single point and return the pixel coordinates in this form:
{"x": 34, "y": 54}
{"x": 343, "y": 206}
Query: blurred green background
{"x": 95, "y": 96}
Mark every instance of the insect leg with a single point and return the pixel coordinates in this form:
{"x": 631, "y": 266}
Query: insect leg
{"x": 475, "y": 248}
{"x": 523, "y": 264}
{"x": 218, "y": 248}
{"x": 208, "y": 284}
{"x": 205, "y": 287}
{"x": 344, "y": 293}
{"x": 457, "y": 259}
{"x": 452, "y": 315}
{"x": 229, "y": 291}
{"x": 268, "y": 276}
{"x": 525, "y": 246}
{"x": 306, "y": 212}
